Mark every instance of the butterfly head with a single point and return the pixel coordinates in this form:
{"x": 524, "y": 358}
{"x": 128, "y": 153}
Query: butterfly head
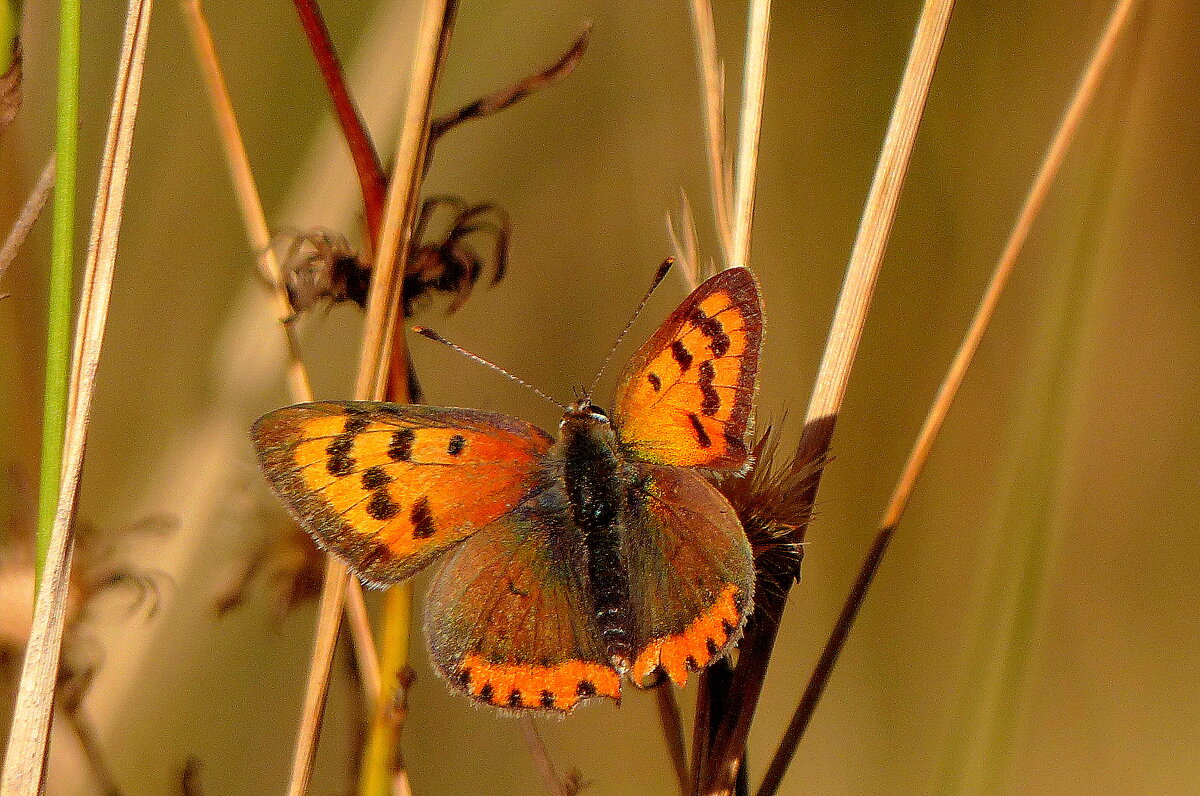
{"x": 584, "y": 411}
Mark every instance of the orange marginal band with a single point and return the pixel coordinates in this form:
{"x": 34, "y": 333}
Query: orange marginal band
{"x": 697, "y": 646}
{"x": 517, "y": 686}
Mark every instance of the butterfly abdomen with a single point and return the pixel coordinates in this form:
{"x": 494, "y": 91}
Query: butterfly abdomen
{"x": 594, "y": 489}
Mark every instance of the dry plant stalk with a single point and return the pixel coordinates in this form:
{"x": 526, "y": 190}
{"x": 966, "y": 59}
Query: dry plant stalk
{"x": 255, "y": 221}
{"x": 919, "y": 456}
{"x": 383, "y": 307}
{"x": 714, "y": 121}
{"x": 28, "y": 746}
{"x": 28, "y": 215}
{"x": 371, "y": 178}
{"x": 833, "y": 375}
{"x": 754, "y": 81}
{"x": 551, "y": 781}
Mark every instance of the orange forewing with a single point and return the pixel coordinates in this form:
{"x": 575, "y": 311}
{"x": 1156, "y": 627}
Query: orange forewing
{"x": 389, "y": 487}
{"x": 686, "y": 396}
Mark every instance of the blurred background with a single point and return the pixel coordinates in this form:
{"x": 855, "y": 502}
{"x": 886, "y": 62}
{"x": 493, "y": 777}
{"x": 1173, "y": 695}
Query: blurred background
{"x": 1061, "y": 498}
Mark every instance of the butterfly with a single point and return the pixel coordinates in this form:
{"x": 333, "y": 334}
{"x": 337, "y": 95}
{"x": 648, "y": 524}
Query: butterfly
{"x": 570, "y": 563}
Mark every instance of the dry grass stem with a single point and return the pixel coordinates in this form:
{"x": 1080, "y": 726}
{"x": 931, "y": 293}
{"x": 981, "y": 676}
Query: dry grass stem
{"x": 541, "y": 757}
{"x": 687, "y": 248}
{"x": 245, "y": 188}
{"x": 361, "y": 633}
{"x": 383, "y": 305}
{"x": 866, "y": 258}
{"x": 383, "y": 302}
{"x": 384, "y": 368}
{"x": 713, "y": 78}
{"x": 25, "y": 760}
{"x": 255, "y": 220}
{"x": 371, "y": 179}
{"x": 754, "y": 80}
{"x": 28, "y": 215}
{"x": 329, "y": 614}
{"x": 1034, "y": 201}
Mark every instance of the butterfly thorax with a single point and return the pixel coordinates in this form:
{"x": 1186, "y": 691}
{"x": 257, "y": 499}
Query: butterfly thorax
{"x": 593, "y": 471}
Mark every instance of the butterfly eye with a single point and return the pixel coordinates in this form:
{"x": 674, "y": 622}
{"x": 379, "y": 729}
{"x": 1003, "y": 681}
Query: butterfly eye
{"x": 597, "y": 412}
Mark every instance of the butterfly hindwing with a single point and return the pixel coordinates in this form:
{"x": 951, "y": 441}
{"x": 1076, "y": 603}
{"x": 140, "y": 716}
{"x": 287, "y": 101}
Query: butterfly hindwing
{"x": 686, "y": 396}
{"x": 389, "y": 487}
{"x": 691, "y": 574}
{"x": 508, "y": 614}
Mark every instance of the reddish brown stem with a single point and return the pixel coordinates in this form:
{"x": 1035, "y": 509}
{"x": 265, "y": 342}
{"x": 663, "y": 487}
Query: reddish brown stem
{"x": 362, "y": 149}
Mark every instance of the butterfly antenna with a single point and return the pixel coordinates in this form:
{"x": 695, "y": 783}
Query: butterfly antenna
{"x": 659, "y": 275}
{"x": 437, "y": 338}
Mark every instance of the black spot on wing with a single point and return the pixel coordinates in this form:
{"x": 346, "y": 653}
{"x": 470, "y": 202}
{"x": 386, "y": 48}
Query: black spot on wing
{"x": 682, "y": 356}
{"x": 422, "y": 519}
{"x": 710, "y": 400}
{"x": 718, "y": 340}
{"x": 375, "y": 478}
{"x": 381, "y": 506}
{"x": 702, "y": 437}
{"x": 655, "y": 381}
{"x": 356, "y": 423}
{"x": 547, "y": 699}
{"x": 400, "y": 447}
{"x": 586, "y": 688}
{"x": 457, "y": 443}
{"x": 340, "y": 462}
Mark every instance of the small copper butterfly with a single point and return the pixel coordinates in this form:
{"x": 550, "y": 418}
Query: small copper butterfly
{"x": 571, "y": 562}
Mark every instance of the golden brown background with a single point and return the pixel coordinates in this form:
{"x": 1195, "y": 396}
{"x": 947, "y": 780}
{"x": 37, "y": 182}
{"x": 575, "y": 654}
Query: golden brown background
{"x": 1077, "y": 425}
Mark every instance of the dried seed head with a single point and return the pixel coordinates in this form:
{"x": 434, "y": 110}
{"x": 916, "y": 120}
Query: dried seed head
{"x": 772, "y": 501}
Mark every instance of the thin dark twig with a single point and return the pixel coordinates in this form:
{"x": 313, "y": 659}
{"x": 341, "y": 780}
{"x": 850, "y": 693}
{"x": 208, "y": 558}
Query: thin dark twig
{"x": 824, "y": 668}
{"x": 672, "y": 724}
{"x": 11, "y": 87}
{"x": 505, "y": 97}
{"x": 541, "y": 757}
{"x": 85, "y": 733}
{"x": 367, "y": 164}
{"x": 28, "y": 215}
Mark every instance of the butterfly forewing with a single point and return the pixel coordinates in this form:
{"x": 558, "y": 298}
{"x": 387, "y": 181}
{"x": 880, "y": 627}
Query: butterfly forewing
{"x": 389, "y": 487}
{"x": 691, "y": 574}
{"x": 686, "y": 396}
{"x": 508, "y": 616}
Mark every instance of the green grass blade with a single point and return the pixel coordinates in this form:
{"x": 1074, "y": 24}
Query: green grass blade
{"x": 58, "y": 326}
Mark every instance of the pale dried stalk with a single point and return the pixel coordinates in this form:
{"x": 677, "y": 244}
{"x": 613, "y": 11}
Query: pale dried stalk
{"x": 25, "y": 760}
{"x": 862, "y": 272}
{"x": 28, "y": 215}
{"x": 713, "y": 78}
{"x": 686, "y": 249}
{"x": 1034, "y": 201}
{"x": 255, "y": 221}
{"x": 383, "y": 301}
{"x": 382, "y": 308}
{"x": 754, "y": 80}
{"x": 880, "y": 211}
